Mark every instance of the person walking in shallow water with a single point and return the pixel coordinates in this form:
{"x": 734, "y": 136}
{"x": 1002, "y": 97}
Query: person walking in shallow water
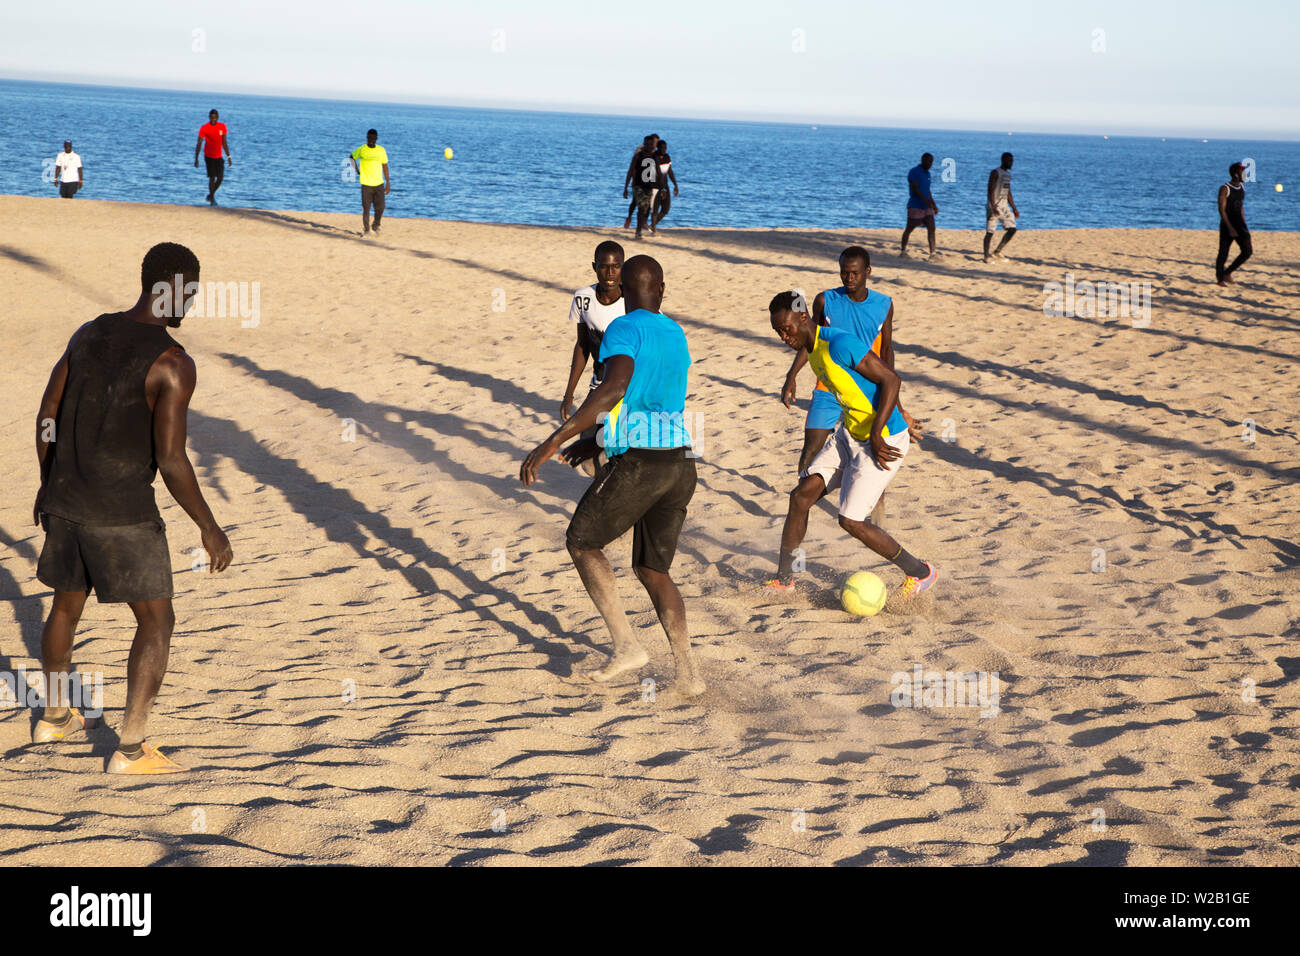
{"x": 1232, "y": 226}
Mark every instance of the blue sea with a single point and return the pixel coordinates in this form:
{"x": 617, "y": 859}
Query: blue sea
{"x": 567, "y": 169}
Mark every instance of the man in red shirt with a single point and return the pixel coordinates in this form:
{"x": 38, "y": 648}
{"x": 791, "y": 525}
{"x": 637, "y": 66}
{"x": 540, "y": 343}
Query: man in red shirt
{"x": 212, "y": 137}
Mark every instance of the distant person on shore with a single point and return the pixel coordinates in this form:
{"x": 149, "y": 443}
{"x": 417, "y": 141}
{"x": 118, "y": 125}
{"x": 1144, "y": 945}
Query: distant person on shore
{"x": 663, "y": 202}
{"x": 645, "y": 169}
{"x": 1000, "y": 207}
{"x": 1232, "y": 226}
{"x": 921, "y": 206}
{"x": 212, "y": 138}
{"x": 649, "y": 479}
{"x": 594, "y": 308}
{"x": 869, "y": 444}
{"x": 371, "y": 163}
{"x": 112, "y": 416}
{"x": 69, "y": 175}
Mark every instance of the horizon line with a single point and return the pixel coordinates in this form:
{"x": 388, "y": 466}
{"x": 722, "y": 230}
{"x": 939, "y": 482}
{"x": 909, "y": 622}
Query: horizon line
{"x": 1121, "y": 132}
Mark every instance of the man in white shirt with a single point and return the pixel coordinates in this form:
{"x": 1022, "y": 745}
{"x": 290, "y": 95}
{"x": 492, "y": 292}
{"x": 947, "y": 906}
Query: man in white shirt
{"x": 1000, "y": 208}
{"x": 68, "y": 174}
{"x": 593, "y": 309}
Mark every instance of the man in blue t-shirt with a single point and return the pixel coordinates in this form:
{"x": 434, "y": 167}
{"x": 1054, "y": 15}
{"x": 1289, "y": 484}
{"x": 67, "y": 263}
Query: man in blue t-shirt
{"x": 649, "y": 478}
{"x": 921, "y": 206}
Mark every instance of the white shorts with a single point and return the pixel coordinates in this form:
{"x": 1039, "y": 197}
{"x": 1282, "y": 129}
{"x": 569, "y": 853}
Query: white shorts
{"x": 1001, "y": 213}
{"x": 848, "y": 464}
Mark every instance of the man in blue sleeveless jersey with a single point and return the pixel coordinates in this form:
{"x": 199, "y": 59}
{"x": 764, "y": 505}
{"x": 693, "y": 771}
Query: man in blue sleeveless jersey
{"x": 649, "y": 478}
{"x": 869, "y": 444}
{"x": 869, "y": 316}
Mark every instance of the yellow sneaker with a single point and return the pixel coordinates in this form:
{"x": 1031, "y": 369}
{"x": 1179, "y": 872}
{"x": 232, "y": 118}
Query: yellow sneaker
{"x": 46, "y": 732}
{"x": 151, "y": 761}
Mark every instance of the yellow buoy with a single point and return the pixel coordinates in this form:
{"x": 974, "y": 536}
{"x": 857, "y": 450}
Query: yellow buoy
{"x": 448, "y": 153}
{"x": 1278, "y": 187}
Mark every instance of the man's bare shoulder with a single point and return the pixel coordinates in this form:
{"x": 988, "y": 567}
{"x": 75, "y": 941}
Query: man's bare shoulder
{"x": 175, "y": 367}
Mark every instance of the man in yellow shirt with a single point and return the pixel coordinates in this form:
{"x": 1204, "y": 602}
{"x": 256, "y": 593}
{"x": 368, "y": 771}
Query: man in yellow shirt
{"x": 371, "y": 163}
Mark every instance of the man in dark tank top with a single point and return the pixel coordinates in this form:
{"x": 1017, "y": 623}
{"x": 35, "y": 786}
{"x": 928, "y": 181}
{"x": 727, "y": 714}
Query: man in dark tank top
{"x": 1232, "y": 226}
{"x": 113, "y": 415}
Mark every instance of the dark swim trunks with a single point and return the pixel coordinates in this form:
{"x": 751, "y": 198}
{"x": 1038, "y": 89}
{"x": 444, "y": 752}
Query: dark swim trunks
{"x": 216, "y": 167}
{"x": 646, "y": 489}
{"x": 123, "y": 563}
{"x": 644, "y": 197}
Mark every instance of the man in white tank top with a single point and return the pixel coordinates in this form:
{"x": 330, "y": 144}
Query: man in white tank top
{"x": 592, "y": 310}
{"x": 1000, "y": 207}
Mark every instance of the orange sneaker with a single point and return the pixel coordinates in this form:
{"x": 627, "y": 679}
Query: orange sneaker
{"x": 776, "y": 585}
{"x": 151, "y": 761}
{"x": 46, "y": 732}
{"x": 914, "y": 586}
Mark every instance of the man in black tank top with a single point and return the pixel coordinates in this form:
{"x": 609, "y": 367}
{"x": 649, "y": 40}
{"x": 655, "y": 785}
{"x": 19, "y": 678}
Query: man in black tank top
{"x": 1232, "y": 226}
{"x": 113, "y": 415}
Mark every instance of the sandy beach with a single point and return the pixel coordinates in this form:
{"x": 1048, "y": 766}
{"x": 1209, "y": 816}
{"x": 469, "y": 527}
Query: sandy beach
{"x": 381, "y": 676}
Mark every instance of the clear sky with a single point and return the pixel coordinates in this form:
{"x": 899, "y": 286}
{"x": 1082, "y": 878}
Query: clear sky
{"x": 1179, "y": 67}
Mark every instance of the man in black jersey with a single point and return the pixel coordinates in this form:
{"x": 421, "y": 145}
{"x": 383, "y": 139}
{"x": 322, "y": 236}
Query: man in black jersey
{"x": 1232, "y": 226}
{"x": 643, "y": 173}
{"x": 648, "y": 145}
{"x": 113, "y": 414}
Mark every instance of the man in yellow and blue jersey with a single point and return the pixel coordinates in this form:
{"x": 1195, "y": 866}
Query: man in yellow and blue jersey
{"x": 870, "y": 442}
{"x": 869, "y": 315}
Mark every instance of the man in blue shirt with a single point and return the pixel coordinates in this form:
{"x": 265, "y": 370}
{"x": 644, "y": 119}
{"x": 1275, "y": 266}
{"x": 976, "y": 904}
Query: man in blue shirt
{"x": 649, "y": 478}
{"x": 921, "y": 206}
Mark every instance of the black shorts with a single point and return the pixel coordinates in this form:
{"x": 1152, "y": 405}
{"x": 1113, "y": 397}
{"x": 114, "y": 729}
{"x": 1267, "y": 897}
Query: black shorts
{"x": 216, "y": 168}
{"x": 646, "y": 489}
{"x": 68, "y": 190}
{"x": 123, "y": 563}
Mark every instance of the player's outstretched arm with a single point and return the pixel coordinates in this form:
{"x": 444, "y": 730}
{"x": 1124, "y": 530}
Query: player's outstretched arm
{"x": 176, "y": 380}
{"x": 618, "y": 373}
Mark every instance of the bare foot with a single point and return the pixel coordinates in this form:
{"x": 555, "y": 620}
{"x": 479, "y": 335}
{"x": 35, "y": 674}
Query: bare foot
{"x": 618, "y": 665}
{"x": 693, "y": 687}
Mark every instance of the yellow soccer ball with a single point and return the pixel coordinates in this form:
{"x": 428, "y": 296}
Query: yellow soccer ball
{"x": 1278, "y": 187}
{"x": 448, "y": 153}
{"x": 863, "y": 594}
